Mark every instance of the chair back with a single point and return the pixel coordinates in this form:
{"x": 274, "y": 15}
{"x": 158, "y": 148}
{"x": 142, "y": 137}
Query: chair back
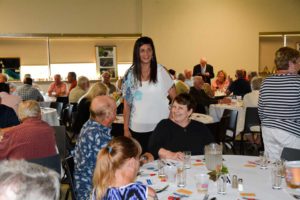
{"x": 68, "y": 165}
{"x": 51, "y": 162}
{"x": 290, "y": 154}
{"x": 228, "y": 122}
{"x": 60, "y": 136}
{"x": 214, "y": 130}
{"x": 251, "y": 118}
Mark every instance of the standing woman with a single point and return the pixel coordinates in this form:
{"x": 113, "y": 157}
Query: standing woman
{"x": 146, "y": 86}
{"x": 279, "y": 105}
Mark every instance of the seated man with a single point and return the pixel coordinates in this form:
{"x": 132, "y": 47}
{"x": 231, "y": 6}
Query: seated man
{"x": 240, "y": 86}
{"x": 72, "y": 80}
{"x": 33, "y": 138}
{"x": 201, "y": 98}
{"x": 106, "y": 81}
{"x": 94, "y": 135}
{"x": 8, "y": 116}
{"x": 21, "y": 180}
{"x": 57, "y": 88}
{"x": 81, "y": 88}
{"x": 27, "y": 92}
{"x": 178, "y": 133}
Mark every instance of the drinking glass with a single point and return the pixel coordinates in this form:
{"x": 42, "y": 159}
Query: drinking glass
{"x": 160, "y": 167}
{"x": 202, "y": 181}
{"x": 222, "y": 184}
{"x": 276, "y": 176}
{"x": 187, "y": 159}
{"x": 170, "y": 172}
{"x": 181, "y": 176}
{"x": 263, "y": 160}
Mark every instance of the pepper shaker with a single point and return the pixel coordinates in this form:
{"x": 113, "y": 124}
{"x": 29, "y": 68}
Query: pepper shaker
{"x": 234, "y": 181}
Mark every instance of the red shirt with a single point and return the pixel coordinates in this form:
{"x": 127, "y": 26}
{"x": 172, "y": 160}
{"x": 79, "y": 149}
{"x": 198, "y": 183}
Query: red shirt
{"x": 72, "y": 86}
{"x": 32, "y": 139}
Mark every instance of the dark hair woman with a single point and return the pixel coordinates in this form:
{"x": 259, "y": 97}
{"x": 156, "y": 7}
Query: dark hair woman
{"x": 146, "y": 86}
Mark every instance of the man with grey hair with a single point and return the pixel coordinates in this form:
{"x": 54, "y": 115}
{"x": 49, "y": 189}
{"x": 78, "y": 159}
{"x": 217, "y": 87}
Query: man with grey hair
{"x": 205, "y": 70}
{"x": 20, "y": 180}
{"x": 32, "y": 139}
{"x": 94, "y": 135}
{"x": 81, "y": 88}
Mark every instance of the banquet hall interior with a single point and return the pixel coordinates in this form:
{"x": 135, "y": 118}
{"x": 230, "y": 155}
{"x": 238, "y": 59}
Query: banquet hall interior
{"x": 39, "y": 39}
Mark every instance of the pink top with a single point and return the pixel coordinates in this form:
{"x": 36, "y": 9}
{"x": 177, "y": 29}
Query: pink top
{"x": 216, "y": 85}
{"x": 10, "y": 100}
{"x": 60, "y": 90}
{"x": 32, "y": 139}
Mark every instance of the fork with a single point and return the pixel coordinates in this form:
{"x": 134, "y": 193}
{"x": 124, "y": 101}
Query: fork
{"x": 206, "y": 197}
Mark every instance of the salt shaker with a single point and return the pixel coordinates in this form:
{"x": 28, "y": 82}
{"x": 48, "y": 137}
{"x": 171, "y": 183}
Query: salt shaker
{"x": 234, "y": 181}
{"x": 240, "y": 184}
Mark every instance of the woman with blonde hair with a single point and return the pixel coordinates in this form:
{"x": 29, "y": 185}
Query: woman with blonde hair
{"x": 116, "y": 169}
{"x": 83, "y": 108}
{"x": 221, "y": 83}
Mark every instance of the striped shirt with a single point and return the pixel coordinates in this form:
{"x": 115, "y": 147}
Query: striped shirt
{"x": 279, "y": 103}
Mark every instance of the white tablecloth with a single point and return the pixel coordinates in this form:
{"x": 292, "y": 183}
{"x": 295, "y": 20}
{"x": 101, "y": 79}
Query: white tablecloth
{"x": 205, "y": 119}
{"x": 255, "y": 180}
{"x": 50, "y": 116}
{"x": 216, "y": 112}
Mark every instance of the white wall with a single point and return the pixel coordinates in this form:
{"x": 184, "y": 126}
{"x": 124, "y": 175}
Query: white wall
{"x": 225, "y": 31}
{"x": 70, "y": 16}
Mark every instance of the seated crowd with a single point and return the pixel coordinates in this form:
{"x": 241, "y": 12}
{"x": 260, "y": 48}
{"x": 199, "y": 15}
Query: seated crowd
{"x": 106, "y": 167}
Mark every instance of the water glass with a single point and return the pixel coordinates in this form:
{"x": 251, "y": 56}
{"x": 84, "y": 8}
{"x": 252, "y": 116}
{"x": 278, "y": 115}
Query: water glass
{"x": 160, "y": 167}
{"x": 263, "y": 160}
{"x": 202, "y": 181}
{"x": 276, "y": 176}
{"x": 170, "y": 172}
{"x": 222, "y": 184}
{"x": 187, "y": 159}
{"x": 181, "y": 176}
{"x": 280, "y": 164}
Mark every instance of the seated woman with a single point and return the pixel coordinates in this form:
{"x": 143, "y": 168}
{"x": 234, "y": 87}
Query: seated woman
{"x": 221, "y": 83}
{"x": 179, "y": 133}
{"x": 116, "y": 170}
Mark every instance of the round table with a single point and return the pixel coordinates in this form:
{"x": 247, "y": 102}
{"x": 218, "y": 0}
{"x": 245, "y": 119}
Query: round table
{"x": 255, "y": 180}
{"x": 50, "y": 116}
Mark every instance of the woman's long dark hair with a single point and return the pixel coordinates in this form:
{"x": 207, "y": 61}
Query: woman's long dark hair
{"x": 137, "y": 71}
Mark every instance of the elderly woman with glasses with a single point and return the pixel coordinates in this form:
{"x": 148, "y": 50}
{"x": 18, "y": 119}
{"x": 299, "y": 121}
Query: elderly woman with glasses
{"x": 179, "y": 133}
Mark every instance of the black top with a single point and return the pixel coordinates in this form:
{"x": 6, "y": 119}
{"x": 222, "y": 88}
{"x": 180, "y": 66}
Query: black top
{"x": 83, "y": 114}
{"x": 209, "y": 69}
{"x": 172, "y": 137}
{"x": 201, "y": 99}
{"x": 8, "y": 117}
{"x": 240, "y": 87}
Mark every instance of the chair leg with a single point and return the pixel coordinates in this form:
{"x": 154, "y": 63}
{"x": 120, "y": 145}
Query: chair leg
{"x": 242, "y": 152}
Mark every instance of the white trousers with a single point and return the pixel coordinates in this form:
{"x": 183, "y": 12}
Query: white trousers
{"x": 275, "y": 140}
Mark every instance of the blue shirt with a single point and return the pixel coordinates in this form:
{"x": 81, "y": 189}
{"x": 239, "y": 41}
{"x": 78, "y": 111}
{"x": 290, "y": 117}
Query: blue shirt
{"x": 93, "y": 137}
{"x": 8, "y": 117}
